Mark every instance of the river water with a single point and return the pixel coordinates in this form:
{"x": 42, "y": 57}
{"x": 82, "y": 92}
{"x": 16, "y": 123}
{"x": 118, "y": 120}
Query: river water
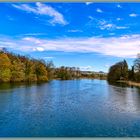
{"x": 71, "y": 108}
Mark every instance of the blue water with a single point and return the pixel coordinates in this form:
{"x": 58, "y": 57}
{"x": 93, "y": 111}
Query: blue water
{"x": 74, "y": 108}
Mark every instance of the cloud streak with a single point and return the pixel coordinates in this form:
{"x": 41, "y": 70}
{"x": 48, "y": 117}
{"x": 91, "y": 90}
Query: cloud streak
{"x": 99, "y": 10}
{"x": 133, "y": 15}
{"x": 74, "y": 31}
{"x": 88, "y": 3}
{"x": 109, "y": 26}
{"x": 86, "y": 68}
{"x": 42, "y": 9}
{"x": 48, "y": 57}
{"x": 124, "y": 46}
{"x": 119, "y": 6}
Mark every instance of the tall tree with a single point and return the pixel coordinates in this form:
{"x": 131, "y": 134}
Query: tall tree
{"x": 17, "y": 71}
{"x": 30, "y": 70}
{"x": 5, "y": 64}
{"x": 119, "y": 71}
{"x": 137, "y": 68}
{"x": 137, "y": 64}
{"x": 131, "y": 74}
{"x": 50, "y": 69}
{"x": 41, "y": 71}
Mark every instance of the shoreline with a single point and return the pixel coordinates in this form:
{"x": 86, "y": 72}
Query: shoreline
{"x": 30, "y": 82}
{"x": 130, "y": 83}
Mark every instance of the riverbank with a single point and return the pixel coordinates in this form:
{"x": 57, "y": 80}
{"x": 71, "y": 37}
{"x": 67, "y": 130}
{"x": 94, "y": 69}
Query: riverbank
{"x": 130, "y": 83}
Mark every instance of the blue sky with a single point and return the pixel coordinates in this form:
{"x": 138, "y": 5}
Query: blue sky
{"x": 89, "y": 35}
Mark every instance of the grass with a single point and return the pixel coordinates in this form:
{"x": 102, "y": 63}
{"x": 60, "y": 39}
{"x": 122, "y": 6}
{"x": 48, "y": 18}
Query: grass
{"x": 130, "y": 83}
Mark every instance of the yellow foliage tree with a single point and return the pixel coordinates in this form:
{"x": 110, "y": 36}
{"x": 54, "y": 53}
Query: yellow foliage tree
{"x": 5, "y": 64}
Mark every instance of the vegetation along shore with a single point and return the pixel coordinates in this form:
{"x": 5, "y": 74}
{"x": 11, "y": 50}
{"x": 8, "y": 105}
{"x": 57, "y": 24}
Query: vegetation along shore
{"x": 130, "y": 83}
{"x": 17, "y": 68}
{"x": 120, "y": 72}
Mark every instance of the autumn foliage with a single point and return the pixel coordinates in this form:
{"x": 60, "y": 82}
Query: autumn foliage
{"x": 16, "y": 68}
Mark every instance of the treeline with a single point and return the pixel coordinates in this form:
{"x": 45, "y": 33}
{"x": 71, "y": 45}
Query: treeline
{"x": 16, "y": 68}
{"x": 65, "y": 73}
{"x": 120, "y": 71}
{"x": 94, "y": 75}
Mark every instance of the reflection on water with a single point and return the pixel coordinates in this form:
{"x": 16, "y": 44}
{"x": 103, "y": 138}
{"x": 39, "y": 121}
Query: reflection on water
{"x": 69, "y": 108}
{"x": 126, "y": 99}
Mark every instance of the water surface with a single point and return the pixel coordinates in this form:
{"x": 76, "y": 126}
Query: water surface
{"x": 69, "y": 108}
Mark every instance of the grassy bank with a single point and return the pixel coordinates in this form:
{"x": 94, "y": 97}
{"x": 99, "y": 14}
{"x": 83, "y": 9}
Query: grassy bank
{"x": 130, "y": 83}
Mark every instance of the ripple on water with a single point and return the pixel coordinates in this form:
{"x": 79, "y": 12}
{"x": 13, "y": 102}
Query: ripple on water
{"x": 70, "y": 108}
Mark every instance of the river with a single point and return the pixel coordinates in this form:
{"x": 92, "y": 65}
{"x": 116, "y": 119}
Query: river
{"x": 71, "y": 108}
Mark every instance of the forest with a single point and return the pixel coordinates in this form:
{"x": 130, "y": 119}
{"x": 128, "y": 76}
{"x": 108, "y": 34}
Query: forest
{"x": 17, "y": 68}
{"x": 120, "y": 71}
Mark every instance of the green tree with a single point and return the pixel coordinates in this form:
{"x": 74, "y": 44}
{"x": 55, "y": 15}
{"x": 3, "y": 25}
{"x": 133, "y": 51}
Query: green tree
{"x": 64, "y": 73}
{"x": 137, "y": 64}
{"x": 119, "y": 71}
{"x": 137, "y": 68}
{"x": 131, "y": 74}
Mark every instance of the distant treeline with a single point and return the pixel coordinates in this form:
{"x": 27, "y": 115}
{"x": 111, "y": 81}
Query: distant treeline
{"x": 17, "y": 68}
{"x": 120, "y": 71}
{"x": 94, "y": 75}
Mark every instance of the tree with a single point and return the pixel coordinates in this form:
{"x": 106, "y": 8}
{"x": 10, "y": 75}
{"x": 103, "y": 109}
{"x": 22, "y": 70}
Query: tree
{"x": 17, "y": 71}
{"x": 30, "y": 71}
{"x": 5, "y": 64}
{"x": 119, "y": 71}
{"x": 41, "y": 71}
{"x": 66, "y": 73}
{"x": 137, "y": 68}
{"x": 124, "y": 70}
{"x": 137, "y": 64}
{"x": 131, "y": 75}
{"x": 16, "y": 68}
{"x": 50, "y": 69}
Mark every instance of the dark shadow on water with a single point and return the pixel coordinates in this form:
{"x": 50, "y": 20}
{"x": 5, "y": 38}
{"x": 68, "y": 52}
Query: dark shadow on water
{"x": 6, "y": 86}
{"x": 123, "y": 85}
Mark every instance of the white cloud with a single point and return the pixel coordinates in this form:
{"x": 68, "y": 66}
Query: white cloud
{"x": 124, "y": 46}
{"x": 99, "y": 10}
{"x": 86, "y": 68}
{"x": 88, "y": 3}
{"x": 121, "y": 27}
{"x": 133, "y": 15}
{"x": 111, "y": 33}
{"x": 90, "y": 17}
{"x": 107, "y": 65}
{"x": 42, "y": 9}
{"x": 109, "y": 26}
{"x": 33, "y": 34}
{"x": 74, "y": 31}
{"x": 119, "y": 6}
{"x": 119, "y": 19}
{"x": 40, "y": 49}
{"x": 48, "y": 57}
